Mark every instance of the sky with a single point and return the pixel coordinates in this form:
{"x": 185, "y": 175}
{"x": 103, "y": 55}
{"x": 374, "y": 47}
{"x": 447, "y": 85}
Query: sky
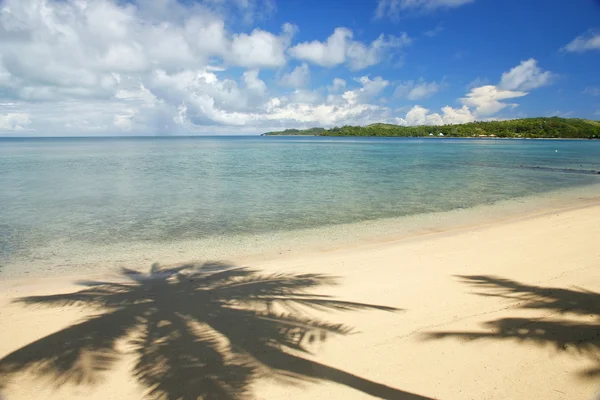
{"x": 194, "y": 67}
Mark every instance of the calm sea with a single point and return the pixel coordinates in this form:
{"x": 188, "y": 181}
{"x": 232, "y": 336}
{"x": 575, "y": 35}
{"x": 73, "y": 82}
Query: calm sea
{"x": 78, "y": 203}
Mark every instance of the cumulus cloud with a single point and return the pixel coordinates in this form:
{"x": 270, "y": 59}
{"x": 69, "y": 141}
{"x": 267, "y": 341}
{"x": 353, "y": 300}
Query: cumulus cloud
{"x": 525, "y": 76}
{"x": 254, "y": 85}
{"x": 517, "y": 82}
{"x": 209, "y": 99}
{"x": 419, "y": 115}
{"x": 163, "y": 67}
{"x": 299, "y": 108}
{"x": 583, "y": 43}
{"x": 14, "y": 122}
{"x": 329, "y": 53}
{"x": 486, "y": 100}
{"x": 457, "y": 115}
{"x": 480, "y": 102}
{"x": 394, "y": 8}
{"x": 129, "y": 66}
{"x": 337, "y": 85}
{"x": 339, "y": 48}
{"x": 361, "y": 56}
{"x": 369, "y": 89}
{"x": 300, "y": 76}
{"x": 82, "y": 44}
{"x": 123, "y": 121}
{"x": 412, "y": 90}
{"x": 175, "y": 67}
{"x": 260, "y": 48}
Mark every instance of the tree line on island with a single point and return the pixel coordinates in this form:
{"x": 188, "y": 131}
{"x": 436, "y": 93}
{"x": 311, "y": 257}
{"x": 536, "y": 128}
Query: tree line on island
{"x": 553, "y": 127}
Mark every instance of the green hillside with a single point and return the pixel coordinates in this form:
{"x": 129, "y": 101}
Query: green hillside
{"x": 553, "y": 127}
{"x": 297, "y": 132}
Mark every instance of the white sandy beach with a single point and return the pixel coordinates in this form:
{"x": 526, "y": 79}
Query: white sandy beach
{"x": 400, "y": 350}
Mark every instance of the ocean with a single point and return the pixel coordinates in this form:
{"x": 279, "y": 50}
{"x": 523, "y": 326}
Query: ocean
{"x": 81, "y": 205}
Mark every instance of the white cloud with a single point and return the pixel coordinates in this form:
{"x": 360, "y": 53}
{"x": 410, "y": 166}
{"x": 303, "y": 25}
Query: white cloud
{"x": 457, "y": 115}
{"x": 394, "y": 8}
{"x": 583, "y": 43}
{"x": 14, "y": 122}
{"x": 107, "y": 66}
{"x": 361, "y": 56}
{"x": 300, "y": 108}
{"x": 254, "y": 85}
{"x": 259, "y": 49}
{"x": 418, "y": 115}
{"x": 309, "y": 107}
{"x": 515, "y": 83}
{"x": 592, "y": 91}
{"x": 370, "y": 88}
{"x": 412, "y": 90}
{"x": 82, "y": 44}
{"x": 87, "y": 66}
{"x": 327, "y": 54}
{"x": 304, "y": 96}
{"x": 337, "y": 85}
{"x": 486, "y": 100}
{"x": 300, "y": 76}
{"x": 208, "y": 98}
{"x": 339, "y": 48}
{"x": 124, "y": 122}
{"x": 481, "y": 101}
{"x": 525, "y": 76}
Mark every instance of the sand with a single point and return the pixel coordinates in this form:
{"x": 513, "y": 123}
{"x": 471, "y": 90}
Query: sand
{"x": 505, "y": 310}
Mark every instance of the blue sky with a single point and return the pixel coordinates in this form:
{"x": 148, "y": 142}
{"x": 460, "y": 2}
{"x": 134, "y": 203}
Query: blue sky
{"x": 168, "y": 67}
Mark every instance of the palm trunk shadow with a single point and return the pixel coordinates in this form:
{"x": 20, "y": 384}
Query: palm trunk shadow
{"x": 313, "y": 369}
{"x": 199, "y": 331}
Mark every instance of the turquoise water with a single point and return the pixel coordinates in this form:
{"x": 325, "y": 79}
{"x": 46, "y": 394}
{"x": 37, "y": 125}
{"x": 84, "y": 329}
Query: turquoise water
{"x": 59, "y": 197}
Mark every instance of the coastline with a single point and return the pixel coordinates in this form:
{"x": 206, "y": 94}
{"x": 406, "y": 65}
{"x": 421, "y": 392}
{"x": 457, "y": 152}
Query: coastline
{"x": 433, "y": 137}
{"x": 58, "y": 259}
{"x": 547, "y": 248}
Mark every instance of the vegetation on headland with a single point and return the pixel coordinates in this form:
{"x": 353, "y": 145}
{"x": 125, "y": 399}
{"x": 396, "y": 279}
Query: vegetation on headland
{"x": 553, "y": 127}
{"x": 297, "y": 132}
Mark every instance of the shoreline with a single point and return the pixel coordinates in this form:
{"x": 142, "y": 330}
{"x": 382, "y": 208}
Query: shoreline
{"x": 551, "y": 252}
{"x": 95, "y": 260}
{"x": 434, "y": 137}
{"x": 426, "y": 233}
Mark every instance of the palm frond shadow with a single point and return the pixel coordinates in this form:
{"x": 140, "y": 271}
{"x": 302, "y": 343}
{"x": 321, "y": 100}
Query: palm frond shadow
{"x": 197, "y": 331}
{"x": 579, "y": 337}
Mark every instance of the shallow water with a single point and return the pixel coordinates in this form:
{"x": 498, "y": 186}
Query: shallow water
{"x": 79, "y": 203}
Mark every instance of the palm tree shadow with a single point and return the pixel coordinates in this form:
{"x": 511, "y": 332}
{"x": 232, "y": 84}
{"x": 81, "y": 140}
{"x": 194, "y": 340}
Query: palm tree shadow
{"x": 580, "y": 337}
{"x": 197, "y": 331}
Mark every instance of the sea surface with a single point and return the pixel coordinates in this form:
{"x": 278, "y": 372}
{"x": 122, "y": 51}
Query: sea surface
{"x": 71, "y": 205}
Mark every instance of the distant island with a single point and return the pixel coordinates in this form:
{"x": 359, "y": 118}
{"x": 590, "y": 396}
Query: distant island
{"x": 553, "y": 127}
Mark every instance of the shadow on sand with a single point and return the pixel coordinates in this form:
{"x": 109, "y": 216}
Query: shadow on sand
{"x": 197, "y": 331}
{"x": 576, "y": 330}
